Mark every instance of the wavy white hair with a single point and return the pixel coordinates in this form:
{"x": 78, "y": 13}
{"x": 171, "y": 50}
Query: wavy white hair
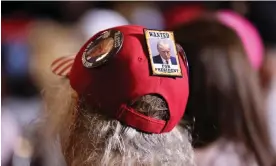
{"x": 162, "y": 44}
{"x": 90, "y": 138}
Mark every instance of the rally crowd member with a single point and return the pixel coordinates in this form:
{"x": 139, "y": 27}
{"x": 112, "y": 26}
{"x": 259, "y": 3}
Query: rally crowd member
{"x": 268, "y": 77}
{"x": 224, "y": 53}
{"x": 112, "y": 110}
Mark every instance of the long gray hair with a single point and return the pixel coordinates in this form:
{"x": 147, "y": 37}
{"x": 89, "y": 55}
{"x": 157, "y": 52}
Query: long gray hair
{"x": 88, "y": 137}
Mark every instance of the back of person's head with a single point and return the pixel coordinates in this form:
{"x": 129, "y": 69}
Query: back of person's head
{"x": 268, "y": 76}
{"x": 113, "y": 111}
{"x": 225, "y": 96}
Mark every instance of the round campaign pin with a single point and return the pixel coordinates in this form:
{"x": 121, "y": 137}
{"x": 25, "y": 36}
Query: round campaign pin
{"x": 100, "y": 50}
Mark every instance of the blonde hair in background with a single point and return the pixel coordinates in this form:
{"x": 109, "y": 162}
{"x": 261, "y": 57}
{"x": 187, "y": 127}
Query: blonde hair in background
{"x": 49, "y": 40}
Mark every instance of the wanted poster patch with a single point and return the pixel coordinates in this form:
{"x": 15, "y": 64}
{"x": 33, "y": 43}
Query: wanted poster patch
{"x": 163, "y": 54}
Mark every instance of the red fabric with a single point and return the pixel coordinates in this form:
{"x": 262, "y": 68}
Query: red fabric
{"x": 14, "y": 28}
{"x": 126, "y": 77}
{"x": 145, "y": 123}
{"x": 182, "y": 14}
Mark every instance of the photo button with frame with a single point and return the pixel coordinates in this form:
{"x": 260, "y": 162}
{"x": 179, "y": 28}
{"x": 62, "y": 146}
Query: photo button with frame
{"x": 100, "y": 50}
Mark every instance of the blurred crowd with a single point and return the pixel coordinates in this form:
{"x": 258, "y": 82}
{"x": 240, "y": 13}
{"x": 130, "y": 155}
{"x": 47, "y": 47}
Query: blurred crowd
{"x": 36, "y": 33}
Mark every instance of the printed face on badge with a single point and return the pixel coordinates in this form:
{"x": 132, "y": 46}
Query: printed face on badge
{"x": 163, "y": 54}
{"x": 99, "y": 51}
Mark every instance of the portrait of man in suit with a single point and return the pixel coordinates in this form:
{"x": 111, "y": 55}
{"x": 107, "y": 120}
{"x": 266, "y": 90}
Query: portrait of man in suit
{"x": 164, "y": 56}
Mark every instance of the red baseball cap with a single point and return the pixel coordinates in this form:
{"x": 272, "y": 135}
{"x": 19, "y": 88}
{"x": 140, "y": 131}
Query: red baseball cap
{"x": 115, "y": 67}
{"x": 181, "y": 14}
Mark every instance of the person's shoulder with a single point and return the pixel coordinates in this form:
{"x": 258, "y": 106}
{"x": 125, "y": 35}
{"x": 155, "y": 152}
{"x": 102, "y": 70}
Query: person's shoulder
{"x": 156, "y": 57}
{"x": 172, "y": 57}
